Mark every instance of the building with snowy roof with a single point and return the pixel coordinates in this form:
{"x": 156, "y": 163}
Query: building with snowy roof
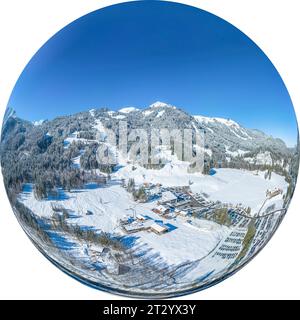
{"x": 158, "y": 228}
{"x": 167, "y": 197}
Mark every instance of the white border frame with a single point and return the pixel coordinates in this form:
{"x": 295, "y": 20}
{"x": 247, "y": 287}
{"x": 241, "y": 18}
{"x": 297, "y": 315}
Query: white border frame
{"x": 26, "y": 25}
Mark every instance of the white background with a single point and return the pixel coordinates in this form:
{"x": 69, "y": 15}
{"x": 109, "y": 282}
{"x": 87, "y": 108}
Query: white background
{"x": 25, "y": 25}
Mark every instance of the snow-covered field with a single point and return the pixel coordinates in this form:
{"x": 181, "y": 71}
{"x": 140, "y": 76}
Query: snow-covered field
{"x": 183, "y": 242}
{"x": 226, "y": 185}
{"x": 190, "y": 241}
{"x": 241, "y": 186}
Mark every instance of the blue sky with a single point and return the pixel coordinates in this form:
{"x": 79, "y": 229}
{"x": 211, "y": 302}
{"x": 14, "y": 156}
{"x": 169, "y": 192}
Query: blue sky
{"x": 136, "y": 53}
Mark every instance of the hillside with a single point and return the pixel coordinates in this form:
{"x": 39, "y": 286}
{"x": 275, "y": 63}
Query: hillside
{"x": 62, "y": 152}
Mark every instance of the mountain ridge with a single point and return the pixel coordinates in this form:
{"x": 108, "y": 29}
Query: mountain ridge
{"x": 217, "y": 130}
{"x": 63, "y": 151}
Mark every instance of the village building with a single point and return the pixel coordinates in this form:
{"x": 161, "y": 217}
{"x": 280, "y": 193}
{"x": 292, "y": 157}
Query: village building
{"x": 167, "y": 197}
{"x": 137, "y": 225}
{"x": 126, "y": 220}
{"x": 133, "y": 227}
{"x": 273, "y": 193}
{"x": 158, "y": 228}
{"x": 183, "y": 213}
{"x": 161, "y": 210}
{"x": 140, "y": 217}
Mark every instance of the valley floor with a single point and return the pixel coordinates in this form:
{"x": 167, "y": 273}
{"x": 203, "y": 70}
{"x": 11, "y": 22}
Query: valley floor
{"x": 226, "y": 185}
{"x": 206, "y": 248}
{"x": 110, "y": 204}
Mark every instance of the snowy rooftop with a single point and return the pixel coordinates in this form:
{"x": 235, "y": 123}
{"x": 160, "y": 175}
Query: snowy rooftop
{"x": 167, "y": 196}
{"x": 161, "y": 208}
{"x": 158, "y": 227}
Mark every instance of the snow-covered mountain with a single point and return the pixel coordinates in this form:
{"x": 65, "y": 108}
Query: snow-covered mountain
{"x": 63, "y": 139}
{"x": 226, "y": 141}
{"x": 38, "y": 122}
{"x": 235, "y": 141}
{"x": 128, "y": 110}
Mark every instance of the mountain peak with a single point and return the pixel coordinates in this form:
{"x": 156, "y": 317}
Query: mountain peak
{"x": 159, "y": 104}
{"x": 38, "y": 123}
{"x": 128, "y": 109}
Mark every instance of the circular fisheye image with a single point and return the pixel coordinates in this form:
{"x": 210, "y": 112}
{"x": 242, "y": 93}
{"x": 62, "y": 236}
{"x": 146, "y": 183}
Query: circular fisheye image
{"x": 149, "y": 149}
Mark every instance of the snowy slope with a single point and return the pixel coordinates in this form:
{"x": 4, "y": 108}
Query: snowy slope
{"x": 108, "y": 204}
